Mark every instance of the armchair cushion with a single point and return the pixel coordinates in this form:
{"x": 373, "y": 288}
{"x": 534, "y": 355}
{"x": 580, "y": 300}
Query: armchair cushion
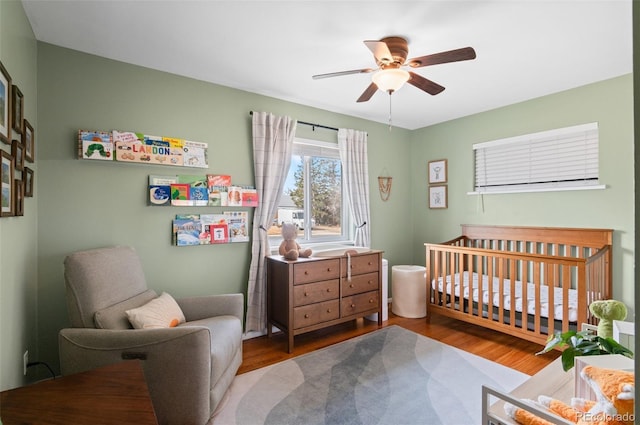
{"x": 114, "y": 317}
{"x": 161, "y": 312}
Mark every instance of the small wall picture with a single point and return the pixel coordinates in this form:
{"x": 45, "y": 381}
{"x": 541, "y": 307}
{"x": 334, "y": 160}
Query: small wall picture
{"x": 18, "y": 191}
{"x": 438, "y": 196}
{"x": 7, "y": 201}
{"x": 17, "y": 109}
{"x": 17, "y": 151}
{"x": 28, "y": 182}
{"x": 28, "y": 140}
{"x": 438, "y": 171}
{"x": 5, "y": 105}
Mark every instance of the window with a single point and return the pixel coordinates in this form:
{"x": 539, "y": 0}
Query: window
{"x": 313, "y": 197}
{"x": 560, "y": 159}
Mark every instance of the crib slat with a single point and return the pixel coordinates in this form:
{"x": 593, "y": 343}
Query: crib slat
{"x": 566, "y": 283}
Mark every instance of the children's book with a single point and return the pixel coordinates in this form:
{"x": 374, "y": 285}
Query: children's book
{"x": 238, "y": 226}
{"x": 95, "y": 145}
{"x": 216, "y": 226}
{"x": 218, "y": 196}
{"x": 249, "y": 197}
{"x": 235, "y": 196}
{"x": 218, "y": 180}
{"x": 188, "y": 232}
{"x": 160, "y": 189}
{"x": 195, "y": 154}
{"x": 218, "y": 185}
{"x": 180, "y": 194}
{"x": 219, "y": 233}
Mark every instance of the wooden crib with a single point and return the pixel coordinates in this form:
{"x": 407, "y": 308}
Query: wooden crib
{"x": 524, "y": 281}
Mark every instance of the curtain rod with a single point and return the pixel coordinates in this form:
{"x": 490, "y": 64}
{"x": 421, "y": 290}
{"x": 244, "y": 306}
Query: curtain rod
{"x": 311, "y": 124}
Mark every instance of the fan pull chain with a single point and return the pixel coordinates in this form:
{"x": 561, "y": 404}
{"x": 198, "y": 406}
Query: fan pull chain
{"x": 390, "y": 122}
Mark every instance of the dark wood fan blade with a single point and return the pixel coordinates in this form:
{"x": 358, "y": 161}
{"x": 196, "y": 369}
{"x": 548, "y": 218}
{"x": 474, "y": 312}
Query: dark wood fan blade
{"x": 380, "y": 50}
{"x": 370, "y": 91}
{"x": 466, "y": 53}
{"x": 338, "y": 74}
{"x": 423, "y": 84}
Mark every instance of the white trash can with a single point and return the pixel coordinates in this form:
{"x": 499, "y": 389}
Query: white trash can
{"x": 409, "y": 291}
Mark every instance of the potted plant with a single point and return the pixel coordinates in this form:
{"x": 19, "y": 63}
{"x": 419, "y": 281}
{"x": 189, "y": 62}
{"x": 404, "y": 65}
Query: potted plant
{"x": 583, "y": 343}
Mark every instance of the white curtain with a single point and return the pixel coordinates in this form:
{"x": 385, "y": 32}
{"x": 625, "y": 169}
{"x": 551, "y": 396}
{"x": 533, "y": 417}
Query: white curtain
{"x": 272, "y": 146}
{"x": 353, "y": 154}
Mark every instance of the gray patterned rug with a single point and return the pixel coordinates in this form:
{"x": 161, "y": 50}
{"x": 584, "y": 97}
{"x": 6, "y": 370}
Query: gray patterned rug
{"x": 390, "y": 376}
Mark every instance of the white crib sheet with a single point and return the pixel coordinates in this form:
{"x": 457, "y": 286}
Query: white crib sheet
{"x": 531, "y": 307}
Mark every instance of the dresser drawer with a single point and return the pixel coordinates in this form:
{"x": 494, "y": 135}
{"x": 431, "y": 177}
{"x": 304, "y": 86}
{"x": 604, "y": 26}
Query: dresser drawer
{"x": 315, "y": 313}
{"x": 315, "y": 271}
{"x": 359, "y": 303}
{"x": 311, "y": 293}
{"x": 361, "y": 264}
{"x": 360, "y": 283}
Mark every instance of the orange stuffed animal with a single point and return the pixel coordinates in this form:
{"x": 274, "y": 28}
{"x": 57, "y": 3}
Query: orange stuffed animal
{"x": 614, "y": 390}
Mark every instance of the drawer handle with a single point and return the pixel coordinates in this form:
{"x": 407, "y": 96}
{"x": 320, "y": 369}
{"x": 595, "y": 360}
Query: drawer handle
{"x": 306, "y": 272}
{"x": 328, "y": 269}
{"x": 306, "y": 316}
{"x": 353, "y": 306}
{"x": 370, "y": 301}
{"x": 306, "y": 295}
{"x": 328, "y": 289}
{"x": 369, "y": 263}
{"x": 328, "y": 310}
{"x": 371, "y": 281}
{"x": 351, "y": 286}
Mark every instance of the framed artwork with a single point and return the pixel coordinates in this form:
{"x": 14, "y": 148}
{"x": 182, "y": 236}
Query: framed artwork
{"x": 5, "y": 105}
{"x": 438, "y": 196}
{"x": 27, "y": 175}
{"x": 7, "y": 201}
{"x": 438, "y": 171}
{"x": 29, "y": 141}
{"x": 17, "y": 152}
{"x": 18, "y": 190}
{"x": 17, "y": 109}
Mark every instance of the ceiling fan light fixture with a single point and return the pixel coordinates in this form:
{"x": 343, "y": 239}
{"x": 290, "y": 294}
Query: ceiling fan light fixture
{"x": 390, "y": 80}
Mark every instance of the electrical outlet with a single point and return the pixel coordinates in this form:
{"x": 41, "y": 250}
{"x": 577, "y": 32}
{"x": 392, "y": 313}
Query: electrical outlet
{"x": 25, "y": 362}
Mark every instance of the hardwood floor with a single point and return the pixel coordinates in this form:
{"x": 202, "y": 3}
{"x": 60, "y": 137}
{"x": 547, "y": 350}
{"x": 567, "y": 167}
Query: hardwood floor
{"x": 504, "y": 349}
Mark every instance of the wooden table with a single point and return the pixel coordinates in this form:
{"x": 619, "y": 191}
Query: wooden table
{"x": 114, "y": 394}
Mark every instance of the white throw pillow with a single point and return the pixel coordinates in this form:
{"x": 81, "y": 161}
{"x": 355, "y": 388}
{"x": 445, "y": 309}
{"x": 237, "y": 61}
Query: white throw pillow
{"x": 161, "y": 312}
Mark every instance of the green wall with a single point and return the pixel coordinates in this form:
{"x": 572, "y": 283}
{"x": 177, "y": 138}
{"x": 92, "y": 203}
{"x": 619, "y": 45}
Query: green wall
{"x": 18, "y": 235}
{"x": 83, "y": 204}
{"x": 610, "y": 103}
{"x": 88, "y": 204}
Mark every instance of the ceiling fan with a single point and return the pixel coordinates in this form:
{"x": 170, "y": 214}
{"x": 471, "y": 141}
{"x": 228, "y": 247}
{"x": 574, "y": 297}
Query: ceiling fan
{"x": 391, "y": 54}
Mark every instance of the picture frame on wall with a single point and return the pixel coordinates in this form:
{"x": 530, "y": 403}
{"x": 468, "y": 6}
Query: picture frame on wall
{"x": 29, "y": 141}
{"x": 5, "y": 105}
{"x": 7, "y": 201}
{"x": 18, "y": 190}
{"x": 17, "y": 109}
{"x": 17, "y": 152}
{"x": 28, "y": 182}
{"x": 438, "y": 196}
{"x": 437, "y": 170}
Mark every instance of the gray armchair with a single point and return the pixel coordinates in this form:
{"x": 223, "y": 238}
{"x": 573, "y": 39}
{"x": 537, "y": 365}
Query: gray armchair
{"x": 187, "y": 368}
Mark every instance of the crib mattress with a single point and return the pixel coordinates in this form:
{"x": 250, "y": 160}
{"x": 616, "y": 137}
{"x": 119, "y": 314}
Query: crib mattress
{"x": 558, "y": 296}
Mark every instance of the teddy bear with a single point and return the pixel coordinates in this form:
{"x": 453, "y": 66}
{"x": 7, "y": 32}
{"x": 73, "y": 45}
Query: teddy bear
{"x": 607, "y": 311}
{"x": 614, "y": 404}
{"x": 289, "y": 248}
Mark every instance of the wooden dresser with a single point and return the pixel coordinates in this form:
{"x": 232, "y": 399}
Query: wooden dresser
{"x": 313, "y": 293}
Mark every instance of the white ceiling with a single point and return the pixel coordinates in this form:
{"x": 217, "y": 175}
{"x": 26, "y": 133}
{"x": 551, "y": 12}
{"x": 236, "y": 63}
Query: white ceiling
{"x": 525, "y": 49}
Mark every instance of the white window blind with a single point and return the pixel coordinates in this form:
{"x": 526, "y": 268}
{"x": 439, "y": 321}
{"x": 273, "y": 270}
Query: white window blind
{"x": 560, "y": 159}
